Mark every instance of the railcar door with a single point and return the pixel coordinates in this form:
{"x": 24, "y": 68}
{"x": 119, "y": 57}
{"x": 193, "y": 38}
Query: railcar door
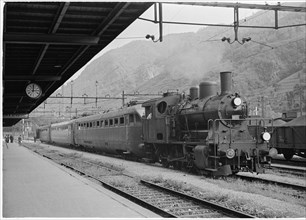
{"x": 126, "y": 127}
{"x": 73, "y": 127}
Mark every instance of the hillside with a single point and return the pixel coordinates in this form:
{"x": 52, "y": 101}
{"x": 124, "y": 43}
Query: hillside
{"x": 267, "y": 65}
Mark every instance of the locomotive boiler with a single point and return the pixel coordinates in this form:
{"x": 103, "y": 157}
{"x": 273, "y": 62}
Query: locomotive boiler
{"x": 206, "y": 131}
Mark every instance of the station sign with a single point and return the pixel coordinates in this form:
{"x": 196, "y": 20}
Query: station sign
{"x": 16, "y": 116}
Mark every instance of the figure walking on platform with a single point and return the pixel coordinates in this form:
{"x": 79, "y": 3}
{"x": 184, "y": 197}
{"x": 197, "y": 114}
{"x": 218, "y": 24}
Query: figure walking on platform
{"x": 19, "y": 140}
{"x": 11, "y": 138}
{"x": 7, "y": 138}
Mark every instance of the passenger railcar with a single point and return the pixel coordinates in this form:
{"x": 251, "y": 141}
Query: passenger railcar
{"x": 62, "y": 133}
{"x": 117, "y": 132}
{"x": 43, "y": 133}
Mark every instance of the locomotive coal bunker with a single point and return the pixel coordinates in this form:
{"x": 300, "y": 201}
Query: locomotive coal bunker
{"x": 206, "y": 131}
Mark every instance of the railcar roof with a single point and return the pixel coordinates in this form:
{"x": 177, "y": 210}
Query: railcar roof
{"x": 149, "y": 102}
{"x": 300, "y": 121}
{"x": 128, "y": 110}
{"x": 62, "y": 123}
{"x": 43, "y": 127}
{"x": 277, "y": 123}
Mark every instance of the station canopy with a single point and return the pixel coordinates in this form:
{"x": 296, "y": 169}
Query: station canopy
{"x": 48, "y": 42}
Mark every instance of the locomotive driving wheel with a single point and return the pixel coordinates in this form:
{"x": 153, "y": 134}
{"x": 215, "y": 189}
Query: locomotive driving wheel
{"x": 177, "y": 165}
{"x": 165, "y": 162}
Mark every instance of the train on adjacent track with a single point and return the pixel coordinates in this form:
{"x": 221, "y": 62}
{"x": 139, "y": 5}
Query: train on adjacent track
{"x": 206, "y": 131}
{"x": 289, "y": 138}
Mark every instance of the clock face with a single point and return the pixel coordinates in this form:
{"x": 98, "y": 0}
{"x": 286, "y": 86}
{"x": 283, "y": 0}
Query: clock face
{"x": 33, "y": 91}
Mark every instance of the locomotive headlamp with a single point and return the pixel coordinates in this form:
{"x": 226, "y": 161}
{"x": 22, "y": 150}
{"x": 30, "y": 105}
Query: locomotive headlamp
{"x": 266, "y": 136}
{"x": 230, "y": 153}
{"x": 237, "y": 101}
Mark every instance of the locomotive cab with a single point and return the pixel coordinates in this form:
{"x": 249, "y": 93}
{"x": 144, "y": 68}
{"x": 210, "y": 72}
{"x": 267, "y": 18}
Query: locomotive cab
{"x": 157, "y": 118}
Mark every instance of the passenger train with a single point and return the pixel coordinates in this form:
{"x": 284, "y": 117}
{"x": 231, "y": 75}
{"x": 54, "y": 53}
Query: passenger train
{"x": 206, "y": 131}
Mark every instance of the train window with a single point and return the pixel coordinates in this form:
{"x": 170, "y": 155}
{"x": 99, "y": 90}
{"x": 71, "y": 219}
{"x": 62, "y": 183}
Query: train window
{"x": 93, "y": 124}
{"x": 111, "y": 122}
{"x": 106, "y": 122}
{"x": 159, "y": 136}
{"x": 87, "y": 125}
{"x": 98, "y": 123}
{"x": 121, "y": 120}
{"x": 101, "y": 124}
{"x": 137, "y": 118}
{"x": 148, "y": 112}
{"x": 116, "y": 120}
{"x": 131, "y": 118}
{"x": 162, "y": 107}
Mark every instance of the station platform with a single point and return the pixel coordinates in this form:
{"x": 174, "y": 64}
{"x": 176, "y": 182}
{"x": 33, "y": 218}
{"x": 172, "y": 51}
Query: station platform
{"x": 34, "y": 186}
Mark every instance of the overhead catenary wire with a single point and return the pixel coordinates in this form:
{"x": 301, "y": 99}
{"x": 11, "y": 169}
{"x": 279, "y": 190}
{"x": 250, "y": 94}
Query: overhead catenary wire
{"x": 230, "y": 28}
{"x": 275, "y": 47}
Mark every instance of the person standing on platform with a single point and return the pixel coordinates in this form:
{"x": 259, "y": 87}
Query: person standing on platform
{"x": 7, "y": 138}
{"x": 11, "y": 138}
{"x": 19, "y": 140}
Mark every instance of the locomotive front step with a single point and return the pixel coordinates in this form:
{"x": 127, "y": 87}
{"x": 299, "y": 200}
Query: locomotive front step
{"x": 221, "y": 171}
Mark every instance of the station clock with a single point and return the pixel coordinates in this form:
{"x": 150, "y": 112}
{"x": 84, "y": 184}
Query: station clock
{"x": 33, "y": 90}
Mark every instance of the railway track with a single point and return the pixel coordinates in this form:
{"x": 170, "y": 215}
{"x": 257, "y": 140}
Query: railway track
{"x": 273, "y": 182}
{"x": 294, "y": 170}
{"x": 299, "y": 162}
{"x": 161, "y": 200}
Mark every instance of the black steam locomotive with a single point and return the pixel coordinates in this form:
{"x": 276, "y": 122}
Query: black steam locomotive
{"x": 204, "y": 132}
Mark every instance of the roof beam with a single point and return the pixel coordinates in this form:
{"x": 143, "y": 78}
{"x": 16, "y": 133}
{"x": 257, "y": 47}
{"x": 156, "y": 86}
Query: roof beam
{"x": 111, "y": 17}
{"x": 18, "y": 95}
{"x": 22, "y": 105}
{"x": 114, "y": 14}
{"x": 16, "y": 116}
{"x": 56, "y": 39}
{"x": 244, "y": 5}
{"x": 57, "y": 21}
{"x": 31, "y": 78}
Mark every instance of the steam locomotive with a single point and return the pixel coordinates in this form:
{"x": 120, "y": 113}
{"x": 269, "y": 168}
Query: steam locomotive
{"x": 204, "y": 132}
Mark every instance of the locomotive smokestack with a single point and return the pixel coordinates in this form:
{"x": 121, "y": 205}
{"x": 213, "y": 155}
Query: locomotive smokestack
{"x": 194, "y": 93}
{"x": 226, "y": 82}
{"x": 207, "y": 89}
